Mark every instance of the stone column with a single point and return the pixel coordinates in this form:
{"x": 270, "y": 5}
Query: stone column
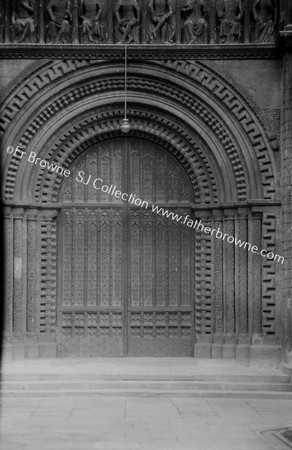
{"x": 178, "y": 21}
{"x": 111, "y": 11}
{"x": 41, "y": 16}
{"x": 144, "y": 21}
{"x": 229, "y": 285}
{"x": 255, "y": 277}
{"x": 7, "y": 21}
{"x": 75, "y": 28}
{"x": 241, "y": 286}
{"x": 48, "y": 279}
{"x": 8, "y": 270}
{"x": 212, "y": 22}
{"x": 247, "y": 6}
{"x": 18, "y": 325}
{"x": 218, "y": 286}
{"x": 31, "y": 271}
{"x": 204, "y": 292}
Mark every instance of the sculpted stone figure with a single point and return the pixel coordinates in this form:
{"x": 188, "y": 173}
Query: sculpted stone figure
{"x": 90, "y": 12}
{"x": 128, "y": 17}
{"x": 264, "y": 13}
{"x": 23, "y": 21}
{"x": 162, "y": 21}
{"x": 230, "y": 14}
{"x": 195, "y": 26}
{"x": 60, "y": 18}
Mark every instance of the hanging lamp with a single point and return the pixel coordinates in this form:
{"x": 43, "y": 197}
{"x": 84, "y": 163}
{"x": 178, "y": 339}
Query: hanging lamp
{"x": 125, "y": 125}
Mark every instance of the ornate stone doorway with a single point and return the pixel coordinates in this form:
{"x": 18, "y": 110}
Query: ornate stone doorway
{"x": 126, "y": 274}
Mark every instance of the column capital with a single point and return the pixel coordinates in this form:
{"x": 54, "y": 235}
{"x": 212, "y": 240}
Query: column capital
{"x": 229, "y": 214}
{"x": 49, "y": 214}
{"x": 18, "y": 213}
{"x": 217, "y": 214}
{"x": 32, "y": 214}
{"x": 242, "y": 213}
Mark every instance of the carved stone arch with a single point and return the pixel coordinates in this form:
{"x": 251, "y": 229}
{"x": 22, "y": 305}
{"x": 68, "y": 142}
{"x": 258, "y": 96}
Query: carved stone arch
{"x": 94, "y": 129}
{"x": 77, "y": 75}
{"x": 184, "y": 143}
{"x": 241, "y": 112}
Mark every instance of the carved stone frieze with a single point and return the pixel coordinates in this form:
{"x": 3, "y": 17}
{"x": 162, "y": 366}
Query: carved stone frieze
{"x": 157, "y": 22}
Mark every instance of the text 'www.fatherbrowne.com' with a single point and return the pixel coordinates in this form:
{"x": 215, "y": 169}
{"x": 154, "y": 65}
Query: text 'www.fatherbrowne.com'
{"x": 112, "y": 190}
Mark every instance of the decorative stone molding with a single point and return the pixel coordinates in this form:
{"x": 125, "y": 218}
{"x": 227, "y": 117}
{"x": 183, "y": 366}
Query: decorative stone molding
{"x": 208, "y": 117}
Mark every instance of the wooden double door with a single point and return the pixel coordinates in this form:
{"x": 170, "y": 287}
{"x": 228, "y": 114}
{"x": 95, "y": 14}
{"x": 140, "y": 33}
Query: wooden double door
{"x": 126, "y": 273}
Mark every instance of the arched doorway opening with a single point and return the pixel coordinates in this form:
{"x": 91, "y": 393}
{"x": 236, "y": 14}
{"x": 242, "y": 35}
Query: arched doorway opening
{"x": 126, "y": 273}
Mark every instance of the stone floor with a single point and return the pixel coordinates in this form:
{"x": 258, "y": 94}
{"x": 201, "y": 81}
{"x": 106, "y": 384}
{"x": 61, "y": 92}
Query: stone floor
{"x": 145, "y": 423}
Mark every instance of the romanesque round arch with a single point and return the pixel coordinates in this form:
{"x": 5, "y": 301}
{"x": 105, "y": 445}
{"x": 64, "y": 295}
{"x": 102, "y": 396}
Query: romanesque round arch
{"x": 59, "y": 109}
{"x": 235, "y": 156}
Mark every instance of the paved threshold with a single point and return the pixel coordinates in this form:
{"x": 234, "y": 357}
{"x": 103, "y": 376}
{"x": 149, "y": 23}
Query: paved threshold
{"x": 85, "y": 422}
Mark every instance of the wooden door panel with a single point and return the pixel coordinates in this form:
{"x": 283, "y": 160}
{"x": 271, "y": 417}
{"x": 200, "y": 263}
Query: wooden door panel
{"x": 160, "y": 311}
{"x": 126, "y": 273}
{"x": 91, "y": 313}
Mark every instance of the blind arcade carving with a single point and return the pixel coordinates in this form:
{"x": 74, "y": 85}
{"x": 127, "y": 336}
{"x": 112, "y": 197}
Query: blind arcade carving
{"x": 139, "y": 21}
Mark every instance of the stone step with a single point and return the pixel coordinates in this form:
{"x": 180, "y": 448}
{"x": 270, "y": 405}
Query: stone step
{"x": 148, "y": 393}
{"x": 228, "y": 378}
{"x": 81, "y": 385}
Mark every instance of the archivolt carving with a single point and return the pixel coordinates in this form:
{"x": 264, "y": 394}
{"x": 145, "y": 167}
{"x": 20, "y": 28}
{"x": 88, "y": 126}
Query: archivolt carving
{"x": 204, "y": 81}
{"x": 151, "y": 127}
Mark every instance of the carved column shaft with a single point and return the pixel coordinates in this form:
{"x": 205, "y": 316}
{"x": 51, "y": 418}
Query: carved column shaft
{"x": 247, "y": 12}
{"x": 255, "y": 275}
{"x": 110, "y": 22}
{"x": 7, "y": 15}
{"x": 241, "y": 275}
{"x": 144, "y": 21}
{"x": 18, "y": 277}
{"x": 218, "y": 276}
{"x": 31, "y": 271}
{"x": 229, "y": 274}
{"x": 212, "y": 21}
{"x": 8, "y": 270}
{"x": 41, "y": 30}
{"x": 178, "y": 21}
{"x": 75, "y": 30}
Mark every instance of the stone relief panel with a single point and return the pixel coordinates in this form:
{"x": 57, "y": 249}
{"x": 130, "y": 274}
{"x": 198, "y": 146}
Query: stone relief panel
{"x": 127, "y": 14}
{"x": 229, "y": 14}
{"x": 24, "y": 22}
{"x": 264, "y": 14}
{"x": 93, "y": 22}
{"x": 195, "y": 25}
{"x": 60, "y": 19}
{"x": 190, "y": 22}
